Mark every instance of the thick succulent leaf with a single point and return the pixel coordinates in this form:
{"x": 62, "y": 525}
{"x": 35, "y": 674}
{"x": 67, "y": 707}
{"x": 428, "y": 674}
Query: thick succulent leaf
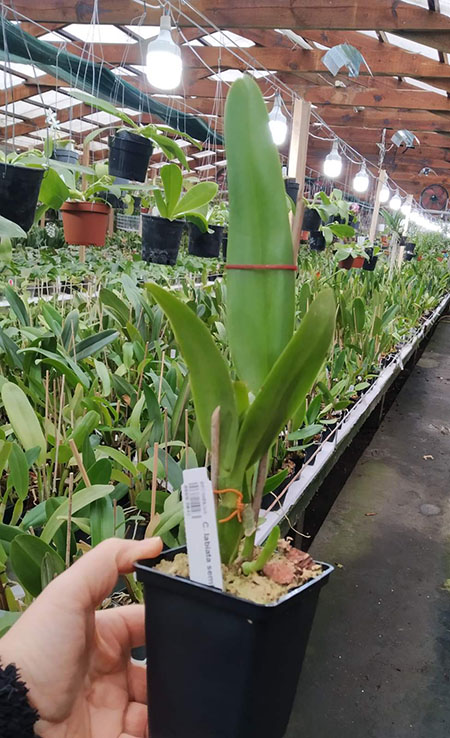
{"x": 288, "y": 382}
{"x": 260, "y": 303}
{"x": 210, "y": 381}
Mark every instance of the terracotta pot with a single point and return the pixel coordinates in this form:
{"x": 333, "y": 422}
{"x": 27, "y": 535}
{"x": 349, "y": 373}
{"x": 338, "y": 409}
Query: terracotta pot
{"x": 358, "y": 262}
{"x": 351, "y": 263}
{"x": 346, "y": 263}
{"x": 85, "y": 223}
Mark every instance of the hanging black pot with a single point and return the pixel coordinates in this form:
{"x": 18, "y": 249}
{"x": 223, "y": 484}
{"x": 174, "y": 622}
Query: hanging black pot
{"x": 311, "y": 220}
{"x": 205, "y": 244}
{"x": 129, "y": 155}
{"x": 68, "y": 156}
{"x": 370, "y": 263}
{"x": 317, "y": 241}
{"x": 292, "y": 188}
{"x": 161, "y": 239}
{"x": 19, "y": 191}
{"x": 229, "y": 654}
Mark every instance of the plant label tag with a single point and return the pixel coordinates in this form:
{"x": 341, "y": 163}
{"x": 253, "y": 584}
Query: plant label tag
{"x": 202, "y": 538}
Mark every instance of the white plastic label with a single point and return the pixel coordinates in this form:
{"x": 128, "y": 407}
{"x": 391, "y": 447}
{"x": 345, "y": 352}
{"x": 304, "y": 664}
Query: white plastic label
{"x": 201, "y": 528}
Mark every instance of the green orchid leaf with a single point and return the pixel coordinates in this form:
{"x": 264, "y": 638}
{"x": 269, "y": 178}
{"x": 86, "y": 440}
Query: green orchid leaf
{"x": 210, "y": 382}
{"x": 23, "y": 419}
{"x": 288, "y": 382}
{"x": 260, "y": 302}
{"x": 198, "y": 195}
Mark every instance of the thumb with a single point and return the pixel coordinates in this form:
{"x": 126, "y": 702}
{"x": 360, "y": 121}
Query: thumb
{"x": 92, "y": 577}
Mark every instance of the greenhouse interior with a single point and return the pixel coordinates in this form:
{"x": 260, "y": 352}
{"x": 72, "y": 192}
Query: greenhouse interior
{"x": 224, "y": 369}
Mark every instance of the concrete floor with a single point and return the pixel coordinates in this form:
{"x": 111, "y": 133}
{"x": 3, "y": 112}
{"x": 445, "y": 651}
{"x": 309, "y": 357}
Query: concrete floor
{"x": 378, "y": 661}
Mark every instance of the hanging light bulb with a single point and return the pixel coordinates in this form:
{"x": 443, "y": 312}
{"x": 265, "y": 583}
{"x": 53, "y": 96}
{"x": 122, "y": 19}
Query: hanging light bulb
{"x": 361, "y": 180}
{"x": 396, "y": 201}
{"x": 332, "y": 166}
{"x": 405, "y": 208}
{"x": 277, "y": 121}
{"x": 164, "y": 65}
{"x": 385, "y": 194}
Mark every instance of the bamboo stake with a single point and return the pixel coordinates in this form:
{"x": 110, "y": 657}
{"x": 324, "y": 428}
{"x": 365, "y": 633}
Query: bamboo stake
{"x": 154, "y": 479}
{"x": 166, "y": 452}
{"x": 79, "y": 461}
{"x": 215, "y": 447}
{"x": 161, "y": 377}
{"x": 186, "y": 439}
{"x": 69, "y": 521}
{"x": 141, "y": 373}
{"x": 382, "y": 177}
{"x": 58, "y": 432}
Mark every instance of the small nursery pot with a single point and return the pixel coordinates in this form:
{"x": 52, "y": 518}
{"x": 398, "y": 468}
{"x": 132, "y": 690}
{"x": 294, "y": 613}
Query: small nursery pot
{"x": 19, "y": 191}
{"x": 85, "y": 223}
{"x": 129, "y": 155}
{"x": 317, "y": 241}
{"x": 370, "y": 263}
{"x": 292, "y": 187}
{"x": 228, "y": 655}
{"x": 352, "y": 263}
{"x": 205, "y": 244}
{"x": 69, "y": 156}
{"x": 161, "y": 239}
{"x": 311, "y": 220}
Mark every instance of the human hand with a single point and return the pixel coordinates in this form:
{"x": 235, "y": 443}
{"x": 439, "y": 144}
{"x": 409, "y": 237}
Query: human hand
{"x": 75, "y": 660}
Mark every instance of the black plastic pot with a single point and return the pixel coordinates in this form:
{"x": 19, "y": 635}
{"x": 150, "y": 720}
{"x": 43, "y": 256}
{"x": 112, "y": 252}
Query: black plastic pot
{"x": 228, "y": 656}
{"x": 292, "y": 188}
{"x": 19, "y": 191}
{"x": 66, "y": 155}
{"x": 328, "y": 432}
{"x": 129, "y": 155}
{"x": 317, "y": 241}
{"x": 161, "y": 239}
{"x": 113, "y": 200}
{"x": 311, "y": 220}
{"x": 370, "y": 263}
{"x": 205, "y": 244}
{"x": 409, "y": 254}
{"x": 224, "y": 246}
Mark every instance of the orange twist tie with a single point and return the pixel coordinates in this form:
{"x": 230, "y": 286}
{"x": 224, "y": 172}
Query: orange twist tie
{"x": 239, "y": 504}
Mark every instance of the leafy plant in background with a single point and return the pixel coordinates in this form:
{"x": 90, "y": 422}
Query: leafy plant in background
{"x": 175, "y": 205}
{"x": 154, "y": 132}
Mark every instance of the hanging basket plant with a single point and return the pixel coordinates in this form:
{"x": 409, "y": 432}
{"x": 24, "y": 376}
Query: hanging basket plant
{"x": 131, "y": 146}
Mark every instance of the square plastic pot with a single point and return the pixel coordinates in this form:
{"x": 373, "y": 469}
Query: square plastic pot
{"x": 220, "y": 666}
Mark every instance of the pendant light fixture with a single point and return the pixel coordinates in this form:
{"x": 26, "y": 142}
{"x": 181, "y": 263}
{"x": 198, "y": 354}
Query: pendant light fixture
{"x": 277, "y": 121}
{"x": 164, "y": 66}
{"x": 332, "y": 166}
{"x": 361, "y": 180}
{"x": 385, "y": 194}
{"x": 396, "y": 201}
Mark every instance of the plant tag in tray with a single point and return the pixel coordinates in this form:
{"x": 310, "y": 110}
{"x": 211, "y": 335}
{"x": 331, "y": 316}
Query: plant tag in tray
{"x": 202, "y": 539}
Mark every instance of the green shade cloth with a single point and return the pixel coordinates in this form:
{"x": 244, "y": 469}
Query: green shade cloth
{"x": 18, "y": 46}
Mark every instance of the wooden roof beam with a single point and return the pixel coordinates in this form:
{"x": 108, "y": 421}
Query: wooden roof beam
{"x": 295, "y": 14}
{"x": 396, "y": 63}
